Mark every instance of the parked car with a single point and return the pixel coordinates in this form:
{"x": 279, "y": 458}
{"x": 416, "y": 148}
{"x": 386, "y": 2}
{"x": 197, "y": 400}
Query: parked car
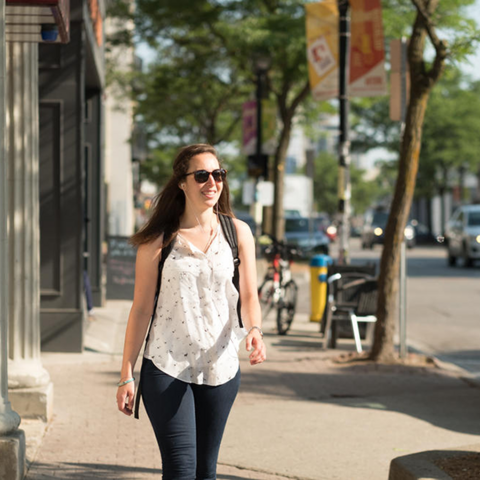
{"x": 373, "y": 231}
{"x": 462, "y": 235}
{"x": 307, "y": 234}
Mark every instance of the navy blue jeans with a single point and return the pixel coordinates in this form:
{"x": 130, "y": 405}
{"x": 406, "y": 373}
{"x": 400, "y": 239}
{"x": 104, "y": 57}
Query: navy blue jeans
{"x": 188, "y": 421}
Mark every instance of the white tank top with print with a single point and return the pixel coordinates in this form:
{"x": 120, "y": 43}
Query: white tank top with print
{"x": 195, "y": 333}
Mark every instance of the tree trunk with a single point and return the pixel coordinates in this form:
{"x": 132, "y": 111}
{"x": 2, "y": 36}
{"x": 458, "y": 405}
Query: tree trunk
{"x": 287, "y": 113}
{"x": 383, "y": 346}
{"x": 383, "y": 349}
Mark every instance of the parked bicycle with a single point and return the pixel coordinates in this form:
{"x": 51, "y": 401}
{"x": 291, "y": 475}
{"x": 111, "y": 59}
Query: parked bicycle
{"x": 278, "y": 289}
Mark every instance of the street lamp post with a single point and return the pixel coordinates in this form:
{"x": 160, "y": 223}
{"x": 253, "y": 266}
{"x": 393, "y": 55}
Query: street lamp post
{"x": 344, "y": 189}
{"x": 258, "y": 162}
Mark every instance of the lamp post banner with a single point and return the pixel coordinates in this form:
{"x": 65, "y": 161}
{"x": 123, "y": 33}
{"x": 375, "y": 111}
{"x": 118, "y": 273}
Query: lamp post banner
{"x": 367, "y": 55}
{"x": 322, "y": 49}
{"x": 249, "y": 127}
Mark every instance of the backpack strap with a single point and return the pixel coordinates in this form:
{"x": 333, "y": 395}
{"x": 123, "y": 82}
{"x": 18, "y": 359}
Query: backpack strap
{"x": 165, "y": 252}
{"x": 230, "y": 233}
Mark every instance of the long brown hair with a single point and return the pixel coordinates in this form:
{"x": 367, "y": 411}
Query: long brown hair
{"x": 169, "y": 204}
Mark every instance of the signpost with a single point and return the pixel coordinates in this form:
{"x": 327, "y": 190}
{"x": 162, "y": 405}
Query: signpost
{"x": 400, "y": 82}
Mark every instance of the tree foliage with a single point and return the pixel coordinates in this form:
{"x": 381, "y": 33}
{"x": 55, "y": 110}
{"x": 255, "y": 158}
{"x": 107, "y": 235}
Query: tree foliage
{"x": 449, "y": 141}
{"x": 204, "y": 69}
{"x": 450, "y": 135}
{"x": 364, "y": 192}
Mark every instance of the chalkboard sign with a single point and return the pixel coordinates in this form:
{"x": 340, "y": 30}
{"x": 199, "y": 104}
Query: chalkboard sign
{"x": 120, "y": 268}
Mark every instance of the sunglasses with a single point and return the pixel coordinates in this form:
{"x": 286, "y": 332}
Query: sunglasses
{"x": 202, "y": 176}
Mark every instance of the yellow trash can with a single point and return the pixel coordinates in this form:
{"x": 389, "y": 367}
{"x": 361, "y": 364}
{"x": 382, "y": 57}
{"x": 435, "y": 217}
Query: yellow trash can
{"x": 318, "y": 286}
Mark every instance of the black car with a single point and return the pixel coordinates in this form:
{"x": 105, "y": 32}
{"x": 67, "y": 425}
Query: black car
{"x": 373, "y": 231}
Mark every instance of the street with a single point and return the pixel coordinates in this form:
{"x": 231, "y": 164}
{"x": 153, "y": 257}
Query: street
{"x": 442, "y": 303}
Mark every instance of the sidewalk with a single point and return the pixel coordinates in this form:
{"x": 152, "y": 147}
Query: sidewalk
{"x": 299, "y": 415}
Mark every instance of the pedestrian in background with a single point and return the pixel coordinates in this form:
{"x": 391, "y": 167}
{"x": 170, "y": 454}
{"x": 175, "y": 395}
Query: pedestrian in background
{"x": 190, "y": 371}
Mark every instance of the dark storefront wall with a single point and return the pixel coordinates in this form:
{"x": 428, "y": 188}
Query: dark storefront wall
{"x": 94, "y": 199}
{"x": 71, "y": 183}
{"x": 61, "y": 222}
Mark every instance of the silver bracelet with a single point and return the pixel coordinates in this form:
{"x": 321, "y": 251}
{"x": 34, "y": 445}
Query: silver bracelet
{"x": 257, "y": 328}
{"x": 121, "y": 384}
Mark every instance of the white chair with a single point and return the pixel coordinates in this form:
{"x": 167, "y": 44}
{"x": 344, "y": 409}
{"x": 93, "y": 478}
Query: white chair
{"x": 352, "y": 296}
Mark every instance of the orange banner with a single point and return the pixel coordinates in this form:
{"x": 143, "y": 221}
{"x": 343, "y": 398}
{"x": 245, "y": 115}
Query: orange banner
{"x": 367, "y": 54}
{"x": 367, "y": 70}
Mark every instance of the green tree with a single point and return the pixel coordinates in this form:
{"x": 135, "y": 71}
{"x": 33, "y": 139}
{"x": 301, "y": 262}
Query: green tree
{"x": 203, "y": 71}
{"x": 450, "y": 135}
{"x": 449, "y": 138}
{"x": 364, "y": 193}
{"x": 424, "y": 75}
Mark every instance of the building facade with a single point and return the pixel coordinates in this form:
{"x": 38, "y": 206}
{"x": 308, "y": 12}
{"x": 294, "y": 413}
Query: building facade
{"x": 72, "y": 189}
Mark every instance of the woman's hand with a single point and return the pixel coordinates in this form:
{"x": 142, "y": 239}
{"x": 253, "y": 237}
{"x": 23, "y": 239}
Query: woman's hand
{"x": 126, "y": 398}
{"x": 254, "y": 340}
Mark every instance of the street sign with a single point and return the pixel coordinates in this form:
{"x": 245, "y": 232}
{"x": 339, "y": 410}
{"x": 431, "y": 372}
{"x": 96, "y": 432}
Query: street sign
{"x": 248, "y": 192}
{"x": 265, "y": 193}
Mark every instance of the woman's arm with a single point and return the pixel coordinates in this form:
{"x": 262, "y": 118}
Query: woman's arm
{"x": 146, "y": 273}
{"x": 251, "y": 312}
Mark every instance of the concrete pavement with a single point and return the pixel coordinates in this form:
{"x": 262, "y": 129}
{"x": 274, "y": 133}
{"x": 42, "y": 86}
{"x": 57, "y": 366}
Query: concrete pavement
{"x": 299, "y": 415}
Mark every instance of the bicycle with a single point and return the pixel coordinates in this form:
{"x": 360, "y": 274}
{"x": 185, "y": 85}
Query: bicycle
{"x": 278, "y": 289}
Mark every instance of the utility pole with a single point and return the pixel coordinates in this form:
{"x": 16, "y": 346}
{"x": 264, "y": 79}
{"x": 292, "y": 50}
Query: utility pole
{"x": 258, "y": 209}
{"x": 258, "y": 162}
{"x": 344, "y": 187}
{"x": 402, "y": 291}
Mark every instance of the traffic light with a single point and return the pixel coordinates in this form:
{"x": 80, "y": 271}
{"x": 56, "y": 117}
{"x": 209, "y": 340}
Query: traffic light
{"x": 258, "y": 165}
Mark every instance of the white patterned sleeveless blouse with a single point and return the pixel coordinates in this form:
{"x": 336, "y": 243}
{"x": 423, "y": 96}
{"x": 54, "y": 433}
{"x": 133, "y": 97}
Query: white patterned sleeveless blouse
{"x": 195, "y": 333}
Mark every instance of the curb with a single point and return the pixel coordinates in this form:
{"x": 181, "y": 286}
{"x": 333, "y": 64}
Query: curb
{"x": 471, "y": 379}
{"x": 421, "y": 466}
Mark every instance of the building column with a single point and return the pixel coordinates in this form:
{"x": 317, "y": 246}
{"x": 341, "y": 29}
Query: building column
{"x": 31, "y": 391}
{"x": 12, "y": 440}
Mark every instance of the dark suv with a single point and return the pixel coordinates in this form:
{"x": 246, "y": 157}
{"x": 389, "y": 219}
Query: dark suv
{"x": 373, "y": 231}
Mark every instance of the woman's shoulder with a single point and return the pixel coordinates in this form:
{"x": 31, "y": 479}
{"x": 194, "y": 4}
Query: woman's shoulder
{"x": 243, "y": 229}
{"x": 151, "y": 249}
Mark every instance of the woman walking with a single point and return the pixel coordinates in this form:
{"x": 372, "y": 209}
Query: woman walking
{"x": 190, "y": 372}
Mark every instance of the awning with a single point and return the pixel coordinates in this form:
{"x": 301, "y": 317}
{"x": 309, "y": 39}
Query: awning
{"x": 37, "y": 21}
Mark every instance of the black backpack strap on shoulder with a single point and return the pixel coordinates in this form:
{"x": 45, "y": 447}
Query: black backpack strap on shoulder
{"x": 165, "y": 252}
{"x": 230, "y": 233}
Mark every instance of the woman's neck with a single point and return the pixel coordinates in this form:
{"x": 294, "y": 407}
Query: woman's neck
{"x": 206, "y": 220}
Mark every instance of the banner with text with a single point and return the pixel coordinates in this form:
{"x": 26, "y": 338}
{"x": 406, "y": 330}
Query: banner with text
{"x": 322, "y": 49}
{"x": 367, "y": 56}
{"x": 367, "y": 53}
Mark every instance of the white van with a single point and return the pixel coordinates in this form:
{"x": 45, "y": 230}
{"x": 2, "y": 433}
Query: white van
{"x": 462, "y": 235}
